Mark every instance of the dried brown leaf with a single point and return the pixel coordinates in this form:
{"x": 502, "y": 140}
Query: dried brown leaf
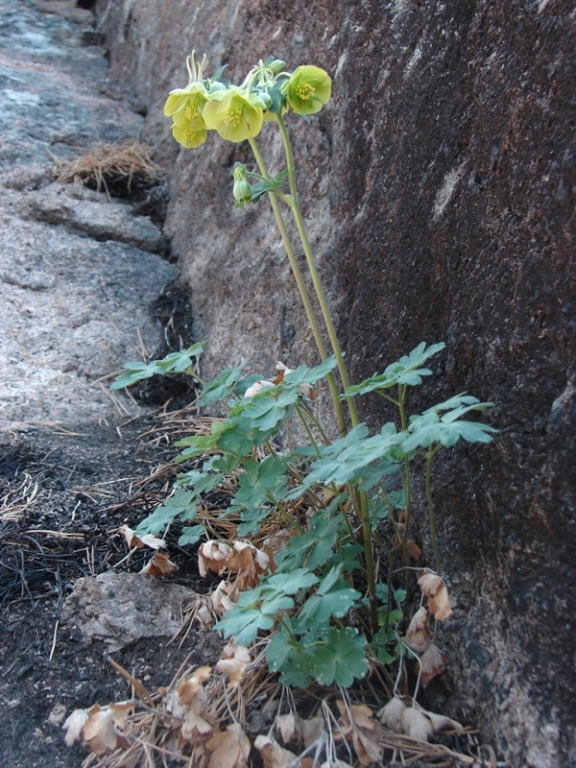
{"x": 413, "y": 549}
{"x": 435, "y": 590}
{"x": 191, "y": 689}
{"x": 160, "y": 565}
{"x": 197, "y": 728}
{"x": 273, "y": 755}
{"x": 289, "y": 726}
{"x": 416, "y": 725}
{"x": 140, "y": 541}
{"x": 248, "y": 561}
{"x": 73, "y": 726}
{"x": 432, "y": 662}
{"x": 422, "y": 725}
{"x": 312, "y": 729}
{"x": 212, "y": 556}
{"x": 391, "y": 714}
{"x": 367, "y": 734}
{"x": 229, "y": 748}
{"x": 102, "y": 730}
{"x": 418, "y": 634}
{"x": 234, "y": 663}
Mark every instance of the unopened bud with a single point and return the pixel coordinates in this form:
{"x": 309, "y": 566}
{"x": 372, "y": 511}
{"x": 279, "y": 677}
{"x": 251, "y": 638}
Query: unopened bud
{"x": 277, "y": 65}
{"x": 242, "y": 191}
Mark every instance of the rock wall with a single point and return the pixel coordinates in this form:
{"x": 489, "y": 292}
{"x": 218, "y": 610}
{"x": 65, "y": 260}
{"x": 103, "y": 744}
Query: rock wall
{"x": 440, "y": 189}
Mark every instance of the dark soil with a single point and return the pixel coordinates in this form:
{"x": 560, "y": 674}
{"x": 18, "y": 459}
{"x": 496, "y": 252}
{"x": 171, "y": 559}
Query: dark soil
{"x": 86, "y": 487}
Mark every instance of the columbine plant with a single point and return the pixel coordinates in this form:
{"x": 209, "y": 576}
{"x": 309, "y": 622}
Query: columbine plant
{"x": 326, "y": 514}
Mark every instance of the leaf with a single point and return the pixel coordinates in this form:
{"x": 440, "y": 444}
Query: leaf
{"x": 304, "y": 375}
{"x": 407, "y": 370}
{"x": 212, "y": 556}
{"x": 391, "y": 714}
{"x": 432, "y": 662}
{"x": 190, "y": 535}
{"x": 160, "y": 565}
{"x": 413, "y": 549}
{"x": 333, "y": 598}
{"x": 416, "y": 725}
{"x": 221, "y": 387}
{"x": 133, "y": 540}
{"x": 278, "y": 651}
{"x": 341, "y": 659}
{"x": 243, "y": 624}
{"x": 229, "y": 748}
{"x": 175, "y": 362}
{"x": 418, "y": 634}
{"x": 430, "y": 427}
{"x": 422, "y": 725}
{"x": 260, "y": 480}
{"x": 234, "y": 662}
{"x": 367, "y": 734}
{"x": 102, "y": 731}
{"x": 73, "y": 726}
{"x": 435, "y": 590}
{"x": 179, "y": 504}
{"x": 248, "y": 561}
{"x": 289, "y": 726}
{"x": 272, "y": 754}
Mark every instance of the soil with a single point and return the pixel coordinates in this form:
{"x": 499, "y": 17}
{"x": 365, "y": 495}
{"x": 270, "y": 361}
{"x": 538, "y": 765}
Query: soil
{"x": 81, "y": 488}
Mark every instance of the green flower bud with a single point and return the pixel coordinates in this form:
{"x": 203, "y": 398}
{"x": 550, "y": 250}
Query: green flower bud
{"x": 308, "y": 89}
{"x": 242, "y": 191}
{"x": 277, "y": 65}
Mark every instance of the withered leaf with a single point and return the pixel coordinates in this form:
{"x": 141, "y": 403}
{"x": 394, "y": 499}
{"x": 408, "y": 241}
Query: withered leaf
{"x": 391, "y": 714}
{"x": 229, "y": 748}
{"x": 432, "y": 662}
{"x": 273, "y": 755}
{"x": 418, "y": 634}
{"x": 422, "y": 725}
{"x": 212, "y": 556}
{"x": 73, "y": 725}
{"x": 234, "y": 663}
{"x": 102, "y": 730}
{"x": 160, "y": 565}
{"x": 140, "y": 541}
{"x": 435, "y": 590}
{"x": 367, "y": 734}
{"x": 413, "y": 549}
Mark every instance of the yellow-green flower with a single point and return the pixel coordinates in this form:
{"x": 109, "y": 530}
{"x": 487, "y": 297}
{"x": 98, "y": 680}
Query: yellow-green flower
{"x": 235, "y": 115}
{"x": 308, "y": 89}
{"x": 185, "y": 105}
{"x": 188, "y": 137}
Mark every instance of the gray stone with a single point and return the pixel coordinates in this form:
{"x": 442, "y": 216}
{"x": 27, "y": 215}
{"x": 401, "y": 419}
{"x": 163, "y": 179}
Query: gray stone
{"x": 122, "y": 608}
{"x": 94, "y": 216}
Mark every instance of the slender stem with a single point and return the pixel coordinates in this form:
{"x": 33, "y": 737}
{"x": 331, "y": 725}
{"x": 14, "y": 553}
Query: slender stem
{"x": 429, "y": 456}
{"x": 285, "y": 516}
{"x": 314, "y": 271}
{"x": 302, "y": 288}
{"x": 298, "y": 410}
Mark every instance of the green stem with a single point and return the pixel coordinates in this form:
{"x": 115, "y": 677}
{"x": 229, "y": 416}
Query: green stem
{"x": 314, "y": 272}
{"x": 284, "y": 514}
{"x": 302, "y": 288}
{"x": 306, "y": 426}
{"x": 321, "y": 296}
{"x": 429, "y": 456}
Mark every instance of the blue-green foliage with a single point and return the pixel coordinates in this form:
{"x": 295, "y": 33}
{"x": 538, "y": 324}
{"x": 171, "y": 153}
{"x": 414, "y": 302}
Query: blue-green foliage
{"x": 307, "y": 601}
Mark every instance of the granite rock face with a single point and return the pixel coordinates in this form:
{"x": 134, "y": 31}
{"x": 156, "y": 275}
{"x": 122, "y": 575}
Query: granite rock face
{"x": 440, "y": 188}
{"x": 78, "y": 273}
